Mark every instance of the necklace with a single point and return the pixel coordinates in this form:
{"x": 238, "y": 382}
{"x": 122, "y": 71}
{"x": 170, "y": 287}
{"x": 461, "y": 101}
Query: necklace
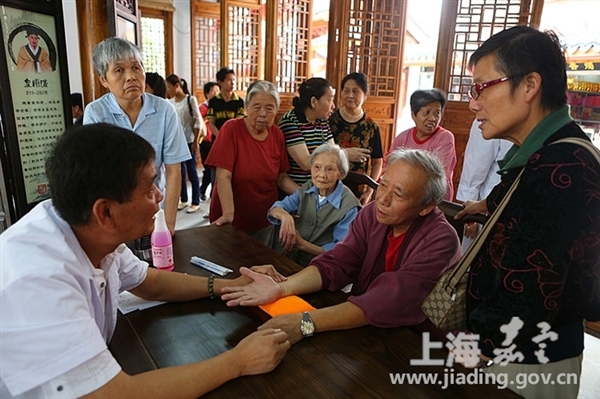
{"x": 348, "y": 117}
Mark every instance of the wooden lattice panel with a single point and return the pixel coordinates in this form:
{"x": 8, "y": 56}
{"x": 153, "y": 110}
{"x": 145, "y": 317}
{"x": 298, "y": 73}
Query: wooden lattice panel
{"x": 207, "y": 51}
{"x": 476, "y": 21}
{"x": 153, "y": 44}
{"x": 374, "y": 29}
{"x": 244, "y": 44}
{"x": 293, "y": 38}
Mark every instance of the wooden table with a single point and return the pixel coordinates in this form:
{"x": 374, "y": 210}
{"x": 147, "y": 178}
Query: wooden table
{"x": 341, "y": 364}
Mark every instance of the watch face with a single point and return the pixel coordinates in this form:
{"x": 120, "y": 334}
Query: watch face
{"x": 307, "y": 328}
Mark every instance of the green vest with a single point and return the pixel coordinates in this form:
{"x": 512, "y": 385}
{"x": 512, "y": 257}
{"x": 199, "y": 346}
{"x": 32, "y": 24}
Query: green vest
{"x": 317, "y": 226}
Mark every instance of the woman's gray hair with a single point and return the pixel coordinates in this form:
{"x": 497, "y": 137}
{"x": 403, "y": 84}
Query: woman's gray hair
{"x": 421, "y": 98}
{"x": 343, "y": 164}
{"x": 262, "y": 86}
{"x": 435, "y": 188}
{"x": 113, "y": 49}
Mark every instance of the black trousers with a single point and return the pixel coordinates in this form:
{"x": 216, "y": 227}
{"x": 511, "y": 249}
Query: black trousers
{"x": 204, "y": 150}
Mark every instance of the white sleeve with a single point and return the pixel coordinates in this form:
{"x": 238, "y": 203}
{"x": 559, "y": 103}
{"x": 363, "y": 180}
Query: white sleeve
{"x": 198, "y": 121}
{"x": 480, "y": 154}
{"x": 83, "y": 379}
{"x": 132, "y": 271}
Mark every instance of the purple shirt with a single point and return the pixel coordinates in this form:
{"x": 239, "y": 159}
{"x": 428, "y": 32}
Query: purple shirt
{"x": 390, "y": 299}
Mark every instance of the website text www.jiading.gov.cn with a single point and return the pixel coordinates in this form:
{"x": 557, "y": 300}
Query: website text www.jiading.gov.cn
{"x": 479, "y": 377}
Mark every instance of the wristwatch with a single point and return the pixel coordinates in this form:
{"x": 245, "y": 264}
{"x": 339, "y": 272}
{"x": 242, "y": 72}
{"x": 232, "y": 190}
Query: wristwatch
{"x": 307, "y": 325}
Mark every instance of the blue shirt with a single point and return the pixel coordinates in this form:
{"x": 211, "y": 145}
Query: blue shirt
{"x": 291, "y": 203}
{"x": 157, "y": 123}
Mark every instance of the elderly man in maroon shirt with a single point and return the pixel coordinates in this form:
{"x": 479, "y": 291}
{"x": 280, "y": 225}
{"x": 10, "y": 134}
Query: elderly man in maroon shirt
{"x": 397, "y": 249}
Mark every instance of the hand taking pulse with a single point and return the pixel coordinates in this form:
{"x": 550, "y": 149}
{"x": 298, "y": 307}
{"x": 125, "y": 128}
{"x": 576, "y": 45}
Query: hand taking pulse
{"x": 287, "y": 323}
{"x": 262, "y": 351}
{"x": 263, "y": 289}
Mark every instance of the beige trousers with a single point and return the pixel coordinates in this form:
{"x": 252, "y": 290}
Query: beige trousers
{"x": 558, "y": 380}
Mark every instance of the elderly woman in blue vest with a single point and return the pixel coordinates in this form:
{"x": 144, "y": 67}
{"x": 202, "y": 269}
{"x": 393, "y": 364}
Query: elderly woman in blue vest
{"x": 323, "y": 207}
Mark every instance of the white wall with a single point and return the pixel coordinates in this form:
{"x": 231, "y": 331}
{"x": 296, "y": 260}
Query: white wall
{"x": 182, "y": 43}
{"x": 72, "y": 39}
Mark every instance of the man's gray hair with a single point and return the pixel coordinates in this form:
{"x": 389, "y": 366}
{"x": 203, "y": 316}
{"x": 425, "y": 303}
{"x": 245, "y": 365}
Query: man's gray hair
{"x": 113, "y": 49}
{"x": 262, "y": 86}
{"x": 435, "y": 188}
{"x": 343, "y": 164}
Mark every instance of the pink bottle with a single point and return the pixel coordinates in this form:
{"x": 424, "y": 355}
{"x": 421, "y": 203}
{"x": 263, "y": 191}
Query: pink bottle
{"x": 162, "y": 244}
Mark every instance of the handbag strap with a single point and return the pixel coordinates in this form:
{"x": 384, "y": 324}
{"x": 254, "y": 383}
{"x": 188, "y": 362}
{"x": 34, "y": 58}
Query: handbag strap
{"x": 469, "y": 256}
{"x": 582, "y": 142}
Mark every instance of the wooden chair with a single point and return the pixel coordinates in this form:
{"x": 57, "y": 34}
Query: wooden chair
{"x": 354, "y": 180}
{"x": 450, "y": 209}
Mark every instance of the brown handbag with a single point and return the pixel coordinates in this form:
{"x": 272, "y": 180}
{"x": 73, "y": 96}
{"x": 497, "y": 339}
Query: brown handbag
{"x": 445, "y": 305}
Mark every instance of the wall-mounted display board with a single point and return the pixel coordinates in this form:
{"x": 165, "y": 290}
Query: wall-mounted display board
{"x": 34, "y": 98}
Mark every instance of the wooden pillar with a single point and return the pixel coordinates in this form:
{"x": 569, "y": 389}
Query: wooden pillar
{"x": 93, "y": 28}
{"x": 271, "y": 42}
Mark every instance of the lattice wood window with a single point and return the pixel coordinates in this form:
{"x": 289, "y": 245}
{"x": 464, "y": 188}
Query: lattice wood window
{"x": 244, "y": 39}
{"x": 374, "y": 31}
{"x": 293, "y": 38}
{"x": 476, "y": 21}
{"x": 207, "y": 49}
{"x": 153, "y": 44}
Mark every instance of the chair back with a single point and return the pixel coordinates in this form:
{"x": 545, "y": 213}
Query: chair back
{"x": 450, "y": 209}
{"x": 354, "y": 180}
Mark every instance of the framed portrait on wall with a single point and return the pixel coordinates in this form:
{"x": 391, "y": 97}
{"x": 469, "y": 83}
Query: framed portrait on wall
{"x": 35, "y": 109}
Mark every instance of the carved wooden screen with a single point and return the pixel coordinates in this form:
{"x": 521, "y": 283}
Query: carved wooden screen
{"x": 287, "y": 47}
{"x": 157, "y": 40}
{"x": 206, "y": 45}
{"x": 370, "y": 40}
{"x": 465, "y": 25}
{"x": 476, "y": 21}
{"x": 293, "y": 44}
{"x": 243, "y": 40}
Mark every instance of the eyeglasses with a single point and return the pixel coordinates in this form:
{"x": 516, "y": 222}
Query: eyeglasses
{"x": 477, "y": 88}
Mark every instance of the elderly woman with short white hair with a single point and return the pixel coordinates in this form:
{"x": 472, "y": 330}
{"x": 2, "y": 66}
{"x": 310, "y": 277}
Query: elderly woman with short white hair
{"x": 324, "y": 207}
{"x": 251, "y": 162}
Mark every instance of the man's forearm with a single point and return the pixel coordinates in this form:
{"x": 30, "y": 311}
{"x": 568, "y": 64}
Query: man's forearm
{"x": 339, "y": 317}
{"x": 172, "y": 193}
{"x": 304, "y": 282}
{"x": 186, "y": 381}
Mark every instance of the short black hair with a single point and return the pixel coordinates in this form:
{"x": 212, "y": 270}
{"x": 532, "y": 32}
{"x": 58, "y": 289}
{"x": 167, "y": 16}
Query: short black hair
{"x": 157, "y": 83}
{"x": 208, "y": 86}
{"x": 94, "y": 161}
{"x": 360, "y": 79}
{"x": 421, "y": 98}
{"x": 222, "y": 74}
{"x": 77, "y": 100}
{"x": 522, "y": 50}
{"x": 313, "y": 87}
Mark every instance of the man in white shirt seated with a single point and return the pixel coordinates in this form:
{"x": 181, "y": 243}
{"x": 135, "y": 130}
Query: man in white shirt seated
{"x": 479, "y": 174}
{"x": 63, "y": 265}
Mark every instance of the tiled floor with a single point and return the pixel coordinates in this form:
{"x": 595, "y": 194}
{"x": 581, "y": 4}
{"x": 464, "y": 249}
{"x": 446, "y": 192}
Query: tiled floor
{"x": 590, "y": 377}
{"x": 186, "y": 220}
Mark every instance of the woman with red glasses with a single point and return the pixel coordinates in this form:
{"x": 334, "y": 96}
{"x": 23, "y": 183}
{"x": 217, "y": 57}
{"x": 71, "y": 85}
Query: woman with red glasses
{"x": 537, "y": 275}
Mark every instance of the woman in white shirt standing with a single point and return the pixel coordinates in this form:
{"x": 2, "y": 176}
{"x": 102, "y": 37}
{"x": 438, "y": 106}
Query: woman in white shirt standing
{"x": 194, "y": 128}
